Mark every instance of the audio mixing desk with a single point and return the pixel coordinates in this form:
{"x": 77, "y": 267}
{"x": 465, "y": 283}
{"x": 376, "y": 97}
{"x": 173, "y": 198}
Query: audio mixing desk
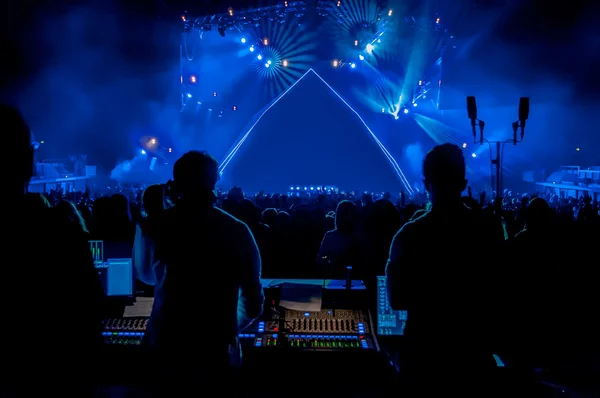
{"x": 278, "y": 327}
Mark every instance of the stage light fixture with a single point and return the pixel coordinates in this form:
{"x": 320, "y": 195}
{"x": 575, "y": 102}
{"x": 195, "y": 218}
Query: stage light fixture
{"x": 259, "y": 57}
{"x": 355, "y": 43}
{"x": 464, "y": 145}
{"x": 230, "y": 11}
{"x": 214, "y": 94}
{"x": 353, "y": 65}
{"x": 243, "y": 39}
{"x": 339, "y": 3}
{"x": 284, "y": 63}
{"x": 234, "y": 108}
{"x": 251, "y": 49}
{"x": 335, "y": 63}
{"x": 285, "y": 3}
{"x": 265, "y": 41}
{"x": 361, "y": 57}
{"x": 390, "y": 12}
{"x": 170, "y": 150}
{"x": 193, "y": 79}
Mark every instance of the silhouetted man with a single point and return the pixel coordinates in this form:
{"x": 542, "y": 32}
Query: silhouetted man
{"x": 438, "y": 270}
{"x": 48, "y": 282}
{"x": 207, "y": 282}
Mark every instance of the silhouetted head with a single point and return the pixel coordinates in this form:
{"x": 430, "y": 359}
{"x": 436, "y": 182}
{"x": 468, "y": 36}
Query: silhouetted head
{"x": 269, "y": 217}
{"x": 196, "y": 174}
{"x": 538, "y": 214}
{"x": 444, "y": 172}
{"x": 152, "y": 199}
{"x": 346, "y": 216}
{"x": 17, "y": 138}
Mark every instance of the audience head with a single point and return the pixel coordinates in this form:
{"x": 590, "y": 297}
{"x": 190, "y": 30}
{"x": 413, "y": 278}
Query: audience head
{"x": 18, "y": 139}
{"x": 196, "y": 174}
{"x": 346, "y": 216}
{"x": 37, "y": 201}
{"x": 152, "y": 199}
{"x": 67, "y": 211}
{"x": 269, "y": 217}
{"x": 444, "y": 172}
{"x": 538, "y": 214}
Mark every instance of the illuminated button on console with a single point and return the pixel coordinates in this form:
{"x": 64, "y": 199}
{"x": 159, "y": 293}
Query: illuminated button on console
{"x": 361, "y": 328}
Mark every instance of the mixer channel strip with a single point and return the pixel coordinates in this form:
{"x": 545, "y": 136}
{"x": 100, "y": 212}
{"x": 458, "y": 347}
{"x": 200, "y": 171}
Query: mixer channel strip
{"x": 331, "y": 325}
{"x": 124, "y": 331}
{"x": 329, "y": 342}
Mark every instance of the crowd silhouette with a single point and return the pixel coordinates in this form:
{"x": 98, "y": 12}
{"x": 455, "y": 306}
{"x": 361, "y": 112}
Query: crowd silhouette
{"x": 514, "y": 276}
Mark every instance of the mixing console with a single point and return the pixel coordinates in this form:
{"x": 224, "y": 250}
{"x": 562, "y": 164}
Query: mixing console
{"x": 328, "y": 330}
{"x": 124, "y": 331}
{"x": 327, "y": 321}
{"x": 325, "y": 330}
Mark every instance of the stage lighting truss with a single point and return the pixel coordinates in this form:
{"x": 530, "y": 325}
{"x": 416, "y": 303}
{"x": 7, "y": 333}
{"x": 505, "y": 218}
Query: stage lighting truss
{"x": 236, "y": 19}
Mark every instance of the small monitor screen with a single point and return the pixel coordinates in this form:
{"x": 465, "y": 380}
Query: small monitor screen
{"x": 97, "y": 249}
{"x": 116, "y": 276}
{"x": 389, "y": 322}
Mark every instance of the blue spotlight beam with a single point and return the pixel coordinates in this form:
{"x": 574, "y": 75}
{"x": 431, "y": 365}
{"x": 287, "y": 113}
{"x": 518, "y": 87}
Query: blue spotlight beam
{"x": 393, "y": 163}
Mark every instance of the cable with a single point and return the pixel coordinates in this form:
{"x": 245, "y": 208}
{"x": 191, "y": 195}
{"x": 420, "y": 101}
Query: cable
{"x": 491, "y": 167}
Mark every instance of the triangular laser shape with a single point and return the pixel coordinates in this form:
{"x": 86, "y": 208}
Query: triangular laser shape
{"x": 310, "y": 136}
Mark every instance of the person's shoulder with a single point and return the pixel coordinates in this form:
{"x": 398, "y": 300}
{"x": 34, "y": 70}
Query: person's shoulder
{"x": 228, "y": 221}
{"x": 224, "y": 216}
{"x": 331, "y": 233}
{"x": 416, "y": 225}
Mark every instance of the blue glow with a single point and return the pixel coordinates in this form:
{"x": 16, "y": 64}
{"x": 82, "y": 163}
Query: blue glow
{"x": 383, "y": 149}
{"x": 474, "y": 155}
{"x": 143, "y": 152}
{"x": 189, "y": 95}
